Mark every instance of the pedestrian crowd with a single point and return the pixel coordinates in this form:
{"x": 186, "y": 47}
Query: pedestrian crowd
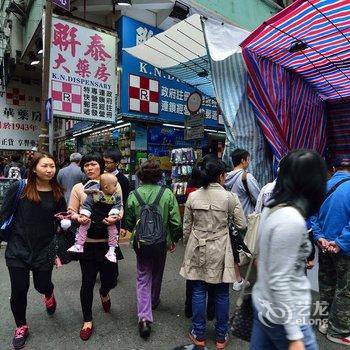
{"x": 50, "y": 217}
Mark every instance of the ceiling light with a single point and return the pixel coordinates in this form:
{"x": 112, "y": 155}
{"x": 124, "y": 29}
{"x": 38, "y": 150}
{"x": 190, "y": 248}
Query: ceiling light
{"x": 123, "y": 2}
{"x": 174, "y": 126}
{"x": 298, "y": 46}
{"x": 33, "y": 59}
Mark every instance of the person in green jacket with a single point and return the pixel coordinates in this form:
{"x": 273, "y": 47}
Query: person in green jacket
{"x": 150, "y": 268}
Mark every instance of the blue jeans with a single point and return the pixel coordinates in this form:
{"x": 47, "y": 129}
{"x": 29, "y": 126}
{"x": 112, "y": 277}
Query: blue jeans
{"x": 274, "y": 337}
{"x": 222, "y": 305}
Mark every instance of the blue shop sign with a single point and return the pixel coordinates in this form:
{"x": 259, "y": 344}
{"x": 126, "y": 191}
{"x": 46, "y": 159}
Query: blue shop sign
{"x": 148, "y": 92}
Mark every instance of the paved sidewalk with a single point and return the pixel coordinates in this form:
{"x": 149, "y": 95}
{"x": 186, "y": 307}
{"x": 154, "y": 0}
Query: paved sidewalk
{"x": 117, "y": 330}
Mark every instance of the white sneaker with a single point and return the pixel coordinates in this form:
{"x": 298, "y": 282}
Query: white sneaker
{"x": 76, "y": 248}
{"x": 344, "y": 341}
{"x": 111, "y": 256}
{"x": 237, "y": 286}
{"x": 323, "y": 328}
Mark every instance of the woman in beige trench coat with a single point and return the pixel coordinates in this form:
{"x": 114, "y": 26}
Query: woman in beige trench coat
{"x": 208, "y": 257}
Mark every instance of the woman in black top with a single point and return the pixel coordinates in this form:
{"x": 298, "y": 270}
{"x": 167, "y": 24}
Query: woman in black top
{"x": 93, "y": 260}
{"x": 32, "y": 233}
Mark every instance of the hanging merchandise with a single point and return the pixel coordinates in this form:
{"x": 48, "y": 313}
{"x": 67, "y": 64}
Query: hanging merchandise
{"x": 182, "y": 160}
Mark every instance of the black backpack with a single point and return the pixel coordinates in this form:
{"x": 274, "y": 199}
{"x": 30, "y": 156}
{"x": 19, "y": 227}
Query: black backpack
{"x": 149, "y": 230}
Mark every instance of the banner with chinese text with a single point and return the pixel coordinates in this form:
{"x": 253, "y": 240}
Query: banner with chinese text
{"x": 20, "y": 117}
{"x": 82, "y": 72}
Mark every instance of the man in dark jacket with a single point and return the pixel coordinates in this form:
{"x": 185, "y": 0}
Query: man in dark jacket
{"x": 112, "y": 160}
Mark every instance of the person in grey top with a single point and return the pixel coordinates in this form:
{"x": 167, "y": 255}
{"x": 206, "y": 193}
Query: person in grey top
{"x": 238, "y": 181}
{"x": 241, "y": 182}
{"x": 281, "y": 295}
{"x": 70, "y": 175}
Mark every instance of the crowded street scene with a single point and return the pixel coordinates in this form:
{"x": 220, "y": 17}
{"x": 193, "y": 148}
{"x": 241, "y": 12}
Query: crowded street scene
{"x": 175, "y": 175}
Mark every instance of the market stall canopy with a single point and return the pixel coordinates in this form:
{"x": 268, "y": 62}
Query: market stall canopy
{"x": 310, "y": 38}
{"x": 181, "y": 51}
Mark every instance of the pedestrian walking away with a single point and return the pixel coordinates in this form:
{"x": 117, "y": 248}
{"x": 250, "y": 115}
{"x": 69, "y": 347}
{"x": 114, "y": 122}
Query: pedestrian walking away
{"x": 242, "y": 183}
{"x": 194, "y": 184}
{"x": 208, "y": 257}
{"x": 332, "y": 234}
{"x": 152, "y": 214}
{"x": 93, "y": 260}
{"x": 281, "y": 295}
{"x": 70, "y": 175}
{"x": 32, "y": 232}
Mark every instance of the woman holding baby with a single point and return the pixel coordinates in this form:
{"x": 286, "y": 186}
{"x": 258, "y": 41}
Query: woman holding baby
{"x": 95, "y": 248}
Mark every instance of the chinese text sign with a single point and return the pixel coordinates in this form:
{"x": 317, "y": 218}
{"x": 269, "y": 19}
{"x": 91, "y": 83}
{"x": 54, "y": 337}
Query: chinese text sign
{"x": 20, "y": 118}
{"x": 82, "y": 72}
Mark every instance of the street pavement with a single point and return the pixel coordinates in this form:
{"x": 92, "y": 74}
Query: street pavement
{"x": 117, "y": 330}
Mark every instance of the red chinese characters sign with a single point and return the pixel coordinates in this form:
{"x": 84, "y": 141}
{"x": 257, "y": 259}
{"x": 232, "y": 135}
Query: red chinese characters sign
{"x": 82, "y": 72}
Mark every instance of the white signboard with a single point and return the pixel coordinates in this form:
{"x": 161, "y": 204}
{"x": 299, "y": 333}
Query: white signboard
{"x": 194, "y": 133}
{"x": 82, "y": 72}
{"x": 20, "y": 117}
{"x": 194, "y": 120}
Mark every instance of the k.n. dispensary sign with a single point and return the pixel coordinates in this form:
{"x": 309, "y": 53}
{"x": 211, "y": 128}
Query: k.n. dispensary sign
{"x": 82, "y": 72}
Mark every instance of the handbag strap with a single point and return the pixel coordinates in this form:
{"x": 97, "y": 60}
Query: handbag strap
{"x": 333, "y": 189}
{"x": 245, "y": 185}
{"x": 253, "y": 257}
{"x": 21, "y": 185}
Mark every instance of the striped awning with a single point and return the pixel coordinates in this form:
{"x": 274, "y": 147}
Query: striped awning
{"x": 312, "y": 39}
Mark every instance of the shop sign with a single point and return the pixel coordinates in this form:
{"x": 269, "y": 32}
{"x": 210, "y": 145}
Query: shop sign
{"x": 20, "y": 117}
{"x": 147, "y": 90}
{"x": 194, "y": 120}
{"x": 82, "y": 72}
{"x": 194, "y": 133}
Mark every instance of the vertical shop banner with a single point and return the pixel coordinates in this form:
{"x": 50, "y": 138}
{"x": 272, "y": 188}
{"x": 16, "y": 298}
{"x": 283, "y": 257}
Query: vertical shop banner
{"x": 20, "y": 117}
{"x": 82, "y": 72}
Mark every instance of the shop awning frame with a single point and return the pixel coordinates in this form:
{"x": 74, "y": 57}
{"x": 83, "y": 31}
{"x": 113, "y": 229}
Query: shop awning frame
{"x": 323, "y": 27}
{"x": 182, "y": 52}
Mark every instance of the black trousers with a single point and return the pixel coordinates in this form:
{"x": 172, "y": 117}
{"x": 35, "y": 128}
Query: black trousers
{"x": 19, "y": 289}
{"x": 89, "y": 271}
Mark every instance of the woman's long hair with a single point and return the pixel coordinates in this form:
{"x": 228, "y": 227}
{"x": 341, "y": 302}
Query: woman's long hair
{"x": 301, "y": 182}
{"x": 30, "y": 191}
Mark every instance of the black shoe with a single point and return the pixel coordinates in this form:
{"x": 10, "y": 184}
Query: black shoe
{"x": 144, "y": 329}
{"x": 20, "y": 337}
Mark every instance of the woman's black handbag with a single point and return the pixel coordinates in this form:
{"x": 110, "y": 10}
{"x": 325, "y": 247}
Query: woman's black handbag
{"x": 62, "y": 240}
{"x": 242, "y": 318}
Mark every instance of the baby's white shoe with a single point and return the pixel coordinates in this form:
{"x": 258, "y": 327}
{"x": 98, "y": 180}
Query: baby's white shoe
{"x": 76, "y": 248}
{"x": 111, "y": 256}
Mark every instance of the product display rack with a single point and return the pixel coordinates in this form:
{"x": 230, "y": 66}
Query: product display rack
{"x": 182, "y": 160}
